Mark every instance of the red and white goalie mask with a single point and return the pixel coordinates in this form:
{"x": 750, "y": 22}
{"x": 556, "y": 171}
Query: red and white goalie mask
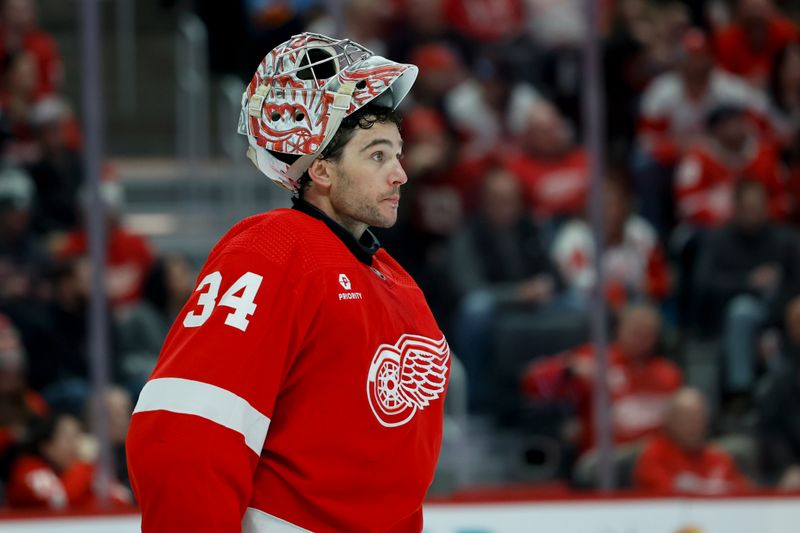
{"x": 303, "y": 89}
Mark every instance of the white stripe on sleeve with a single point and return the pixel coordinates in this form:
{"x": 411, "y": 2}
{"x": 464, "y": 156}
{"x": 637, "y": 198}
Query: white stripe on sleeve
{"x": 208, "y": 401}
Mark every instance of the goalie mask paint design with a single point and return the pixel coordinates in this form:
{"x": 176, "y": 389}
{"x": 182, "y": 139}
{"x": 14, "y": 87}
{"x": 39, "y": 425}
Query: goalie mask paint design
{"x": 406, "y": 377}
{"x": 303, "y": 89}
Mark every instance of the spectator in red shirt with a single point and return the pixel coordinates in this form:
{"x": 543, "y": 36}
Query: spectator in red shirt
{"x": 639, "y": 380}
{"x": 57, "y": 472}
{"x": 730, "y": 152}
{"x": 128, "y": 256}
{"x": 748, "y": 47}
{"x": 671, "y": 119}
{"x": 680, "y": 460}
{"x": 552, "y": 169}
{"x": 19, "y": 33}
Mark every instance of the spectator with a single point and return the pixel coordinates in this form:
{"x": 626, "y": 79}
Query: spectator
{"x": 22, "y": 259}
{"x": 634, "y": 263}
{"x": 144, "y": 326}
{"x": 18, "y": 404}
{"x": 778, "y": 395}
{"x": 364, "y": 21}
{"x": 671, "y": 120}
{"x": 128, "y": 256}
{"x": 732, "y": 151}
{"x": 17, "y": 99}
{"x": 419, "y": 23}
{"x": 680, "y": 460}
{"x": 641, "y": 45}
{"x": 119, "y": 407}
{"x": 58, "y": 174}
{"x": 57, "y": 470}
{"x": 744, "y": 268}
{"x": 553, "y": 171}
{"x": 19, "y": 33}
{"x": 498, "y": 263}
{"x": 441, "y": 69}
{"x": 748, "y": 47}
{"x": 481, "y": 107}
{"x": 640, "y": 381}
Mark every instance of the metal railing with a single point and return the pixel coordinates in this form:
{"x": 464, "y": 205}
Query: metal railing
{"x": 192, "y": 102}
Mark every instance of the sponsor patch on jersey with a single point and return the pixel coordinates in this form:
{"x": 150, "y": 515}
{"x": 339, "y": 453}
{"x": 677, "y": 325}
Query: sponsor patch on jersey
{"x": 405, "y": 377}
{"x": 350, "y": 296}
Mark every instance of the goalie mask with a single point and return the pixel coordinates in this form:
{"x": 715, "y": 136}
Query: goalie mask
{"x": 300, "y": 93}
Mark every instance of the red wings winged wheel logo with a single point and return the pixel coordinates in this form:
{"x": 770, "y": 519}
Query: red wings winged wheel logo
{"x": 406, "y": 377}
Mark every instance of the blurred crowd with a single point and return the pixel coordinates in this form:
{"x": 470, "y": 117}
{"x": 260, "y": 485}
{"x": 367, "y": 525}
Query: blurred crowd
{"x": 701, "y": 206}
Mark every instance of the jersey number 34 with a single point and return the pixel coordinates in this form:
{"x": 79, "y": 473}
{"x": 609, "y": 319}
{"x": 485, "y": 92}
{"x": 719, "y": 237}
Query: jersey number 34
{"x": 242, "y": 304}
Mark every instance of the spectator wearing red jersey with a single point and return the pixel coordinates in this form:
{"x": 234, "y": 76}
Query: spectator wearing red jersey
{"x": 671, "y": 119}
{"x": 730, "y": 152}
{"x": 19, "y": 33}
{"x": 552, "y": 169}
{"x": 748, "y": 46}
{"x": 640, "y": 381}
{"x": 635, "y": 265}
{"x": 128, "y": 256}
{"x": 18, "y": 403}
{"x": 680, "y": 460}
{"x": 57, "y": 472}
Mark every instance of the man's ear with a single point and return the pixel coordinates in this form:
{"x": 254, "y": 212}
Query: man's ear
{"x": 320, "y": 172}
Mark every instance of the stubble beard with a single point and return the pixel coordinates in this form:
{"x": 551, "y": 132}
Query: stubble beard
{"x": 358, "y": 209}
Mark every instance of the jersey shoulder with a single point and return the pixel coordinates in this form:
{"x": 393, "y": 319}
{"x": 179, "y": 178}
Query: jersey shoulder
{"x": 283, "y": 237}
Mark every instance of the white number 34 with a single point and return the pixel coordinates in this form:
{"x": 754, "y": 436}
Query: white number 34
{"x": 242, "y": 305}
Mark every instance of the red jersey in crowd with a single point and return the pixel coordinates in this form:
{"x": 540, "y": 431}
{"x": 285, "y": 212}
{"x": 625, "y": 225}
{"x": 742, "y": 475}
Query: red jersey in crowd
{"x": 34, "y": 483}
{"x": 670, "y": 120}
{"x": 485, "y": 20}
{"x": 44, "y": 48}
{"x": 313, "y": 376}
{"x": 554, "y": 187}
{"x": 634, "y": 267}
{"x": 705, "y": 182}
{"x": 665, "y": 467}
{"x": 639, "y": 390}
{"x": 735, "y": 52}
{"x": 128, "y": 261}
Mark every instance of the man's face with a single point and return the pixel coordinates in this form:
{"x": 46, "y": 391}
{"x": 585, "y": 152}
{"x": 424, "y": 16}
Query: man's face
{"x": 638, "y": 333}
{"x": 366, "y": 180}
{"x": 751, "y": 209}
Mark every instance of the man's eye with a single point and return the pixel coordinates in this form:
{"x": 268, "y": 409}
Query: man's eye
{"x": 377, "y": 156}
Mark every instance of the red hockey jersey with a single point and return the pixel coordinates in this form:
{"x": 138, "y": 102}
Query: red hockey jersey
{"x": 705, "y": 182}
{"x": 301, "y": 388}
{"x": 664, "y": 467}
{"x": 639, "y": 390}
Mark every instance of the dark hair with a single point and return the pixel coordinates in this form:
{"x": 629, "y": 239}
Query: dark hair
{"x": 364, "y": 118}
{"x": 723, "y": 113}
